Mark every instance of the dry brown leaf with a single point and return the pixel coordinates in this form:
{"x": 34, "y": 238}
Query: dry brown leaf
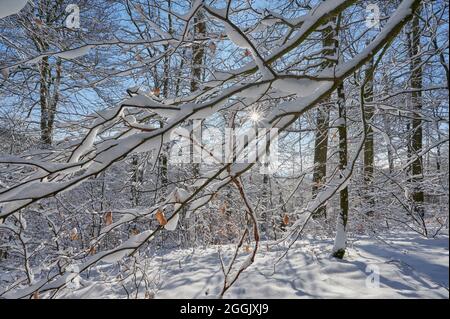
{"x": 74, "y": 234}
{"x": 161, "y": 218}
{"x": 223, "y": 208}
{"x": 5, "y": 73}
{"x": 92, "y": 250}
{"x": 38, "y": 22}
{"x": 134, "y": 231}
{"x": 285, "y": 220}
{"x": 35, "y": 295}
{"x": 212, "y": 47}
{"x": 247, "y": 249}
{"x": 334, "y": 136}
{"x": 156, "y": 91}
{"x": 108, "y": 218}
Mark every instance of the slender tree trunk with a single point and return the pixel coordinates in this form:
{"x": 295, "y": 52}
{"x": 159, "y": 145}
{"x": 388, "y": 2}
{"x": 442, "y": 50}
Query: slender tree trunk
{"x": 54, "y": 99}
{"x": 163, "y": 161}
{"x": 136, "y": 180}
{"x": 342, "y": 218}
{"x": 44, "y": 71}
{"x": 267, "y": 197}
{"x": 369, "y": 142}
{"x": 341, "y": 225}
{"x": 390, "y": 153}
{"x": 320, "y": 155}
{"x": 387, "y": 125}
{"x": 416, "y": 125}
{"x": 322, "y": 123}
{"x": 438, "y": 148}
{"x": 48, "y": 83}
{"x": 198, "y": 51}
{"x": 198, "y": 54}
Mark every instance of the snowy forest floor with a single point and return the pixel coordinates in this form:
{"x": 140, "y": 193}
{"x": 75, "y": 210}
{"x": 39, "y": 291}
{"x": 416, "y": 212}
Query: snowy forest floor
{"x": 409, "y": 266}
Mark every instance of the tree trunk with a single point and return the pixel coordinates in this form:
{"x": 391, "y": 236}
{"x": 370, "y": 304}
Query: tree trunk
{"x": 48, "y": 83}
{"x": 341, "y": 225}
{"x": 342, "y": 218}
{"x": 163, "y": 161}
{"x": 322, "y": 123}
{"x": 369, "y": 142}
{"x": 416, "y": 125}
{"x": 198, "y": 53}
{"x": 44, "y": 71}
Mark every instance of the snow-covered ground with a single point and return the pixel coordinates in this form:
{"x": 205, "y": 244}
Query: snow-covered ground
{"x": 408, "y": 266}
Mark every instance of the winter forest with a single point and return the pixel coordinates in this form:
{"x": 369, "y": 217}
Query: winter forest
{"x": 224, "y": 149}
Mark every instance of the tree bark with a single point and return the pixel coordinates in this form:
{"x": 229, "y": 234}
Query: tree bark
{"x": 341, "y": 225}
{"x": 322, "y": 123}
{"x": 198, "y": 54}
{"x": 342, "y": 218}
{"x": 416, "y": 125}
{"x": 369, "y": 142}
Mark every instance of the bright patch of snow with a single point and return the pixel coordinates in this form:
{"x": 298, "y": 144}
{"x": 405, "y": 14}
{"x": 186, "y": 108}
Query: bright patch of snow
{"x": 172, "y": 223}
{"x": 300, "y": 87}
{"x": 408, "y": 266}
{"x": 126, "y": 248}
{"x": 75, "y": 53}
{"x": 236, "y": 37}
